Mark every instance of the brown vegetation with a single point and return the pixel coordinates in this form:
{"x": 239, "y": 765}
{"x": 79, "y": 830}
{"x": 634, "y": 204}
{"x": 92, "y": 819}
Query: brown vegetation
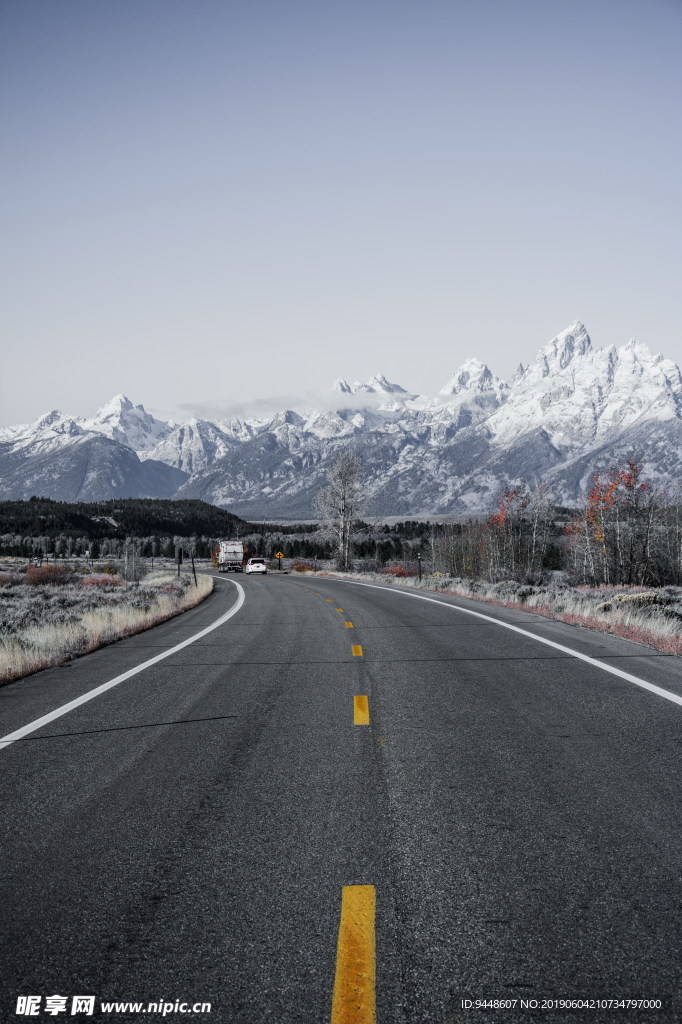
{"x": 49, "y": 618}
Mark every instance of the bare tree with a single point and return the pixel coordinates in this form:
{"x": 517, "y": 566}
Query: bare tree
{"x": 540, "y": 513}
{"x": 133, "y": 566}
{"x": 338, "y": 504}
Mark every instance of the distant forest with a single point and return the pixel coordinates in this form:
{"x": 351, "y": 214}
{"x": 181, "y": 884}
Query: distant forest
{"x": 627, "y": 532}
{"x": 134, "y": 517}
{"x": 99, "y": 529}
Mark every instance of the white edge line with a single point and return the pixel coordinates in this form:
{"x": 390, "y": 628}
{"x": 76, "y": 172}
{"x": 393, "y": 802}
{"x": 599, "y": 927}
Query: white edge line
{"x": 19, "y": 734}
{"x": 668, "y": 694}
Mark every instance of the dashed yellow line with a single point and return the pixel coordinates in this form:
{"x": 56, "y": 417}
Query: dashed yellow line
{"x": 357, "y": 650}
{"x": 328, "y": 600}
{"x": 349, "y": 625}
{"x": 360, "y": 711}
{"x": 354, "y": 999}
{"x": 339, "y": 609}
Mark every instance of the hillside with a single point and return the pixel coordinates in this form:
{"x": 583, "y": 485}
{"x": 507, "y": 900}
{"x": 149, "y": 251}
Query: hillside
{"x": 140, "y": 517}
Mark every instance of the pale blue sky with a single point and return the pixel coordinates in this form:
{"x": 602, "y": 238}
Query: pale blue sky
{"x": 209, "y": 202}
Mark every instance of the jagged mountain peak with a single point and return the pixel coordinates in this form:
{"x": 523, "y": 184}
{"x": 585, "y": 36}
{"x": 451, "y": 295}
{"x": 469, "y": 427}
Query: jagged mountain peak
{"x": 119, "y": 401}
{"x": 286, "y": 418}
{"x": 131, "y": 425}
{"x": 642, "y": 359}
{"x": 451, "y": 452}
{"x": 580, "y": 396}
{"x": 472, "y": 375}
{"x": 640, "y": 351}
{"x": 47, "y": 419}
{"x": 378, "y": 383}
{"x": 572, "y": 342}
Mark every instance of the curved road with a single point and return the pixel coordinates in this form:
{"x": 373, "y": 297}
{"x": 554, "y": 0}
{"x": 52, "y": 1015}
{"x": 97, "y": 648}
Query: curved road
{"x": 187, "y": 834}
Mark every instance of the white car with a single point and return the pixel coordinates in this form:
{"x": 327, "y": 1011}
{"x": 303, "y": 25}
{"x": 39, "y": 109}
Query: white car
{"x": 256, "y": 565}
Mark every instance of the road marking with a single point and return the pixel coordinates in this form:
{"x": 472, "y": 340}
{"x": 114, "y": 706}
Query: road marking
{"x": 19, "y": 734}
{"x": 328, "y": 600}
{"x": 668, "y": 694}
{"x": 349, "y": 625}
{"x": 357, "y": 650}
{"x": 354, "y": 999}
{"x": 360, "y": 711}
{"x": 339, "y": 609}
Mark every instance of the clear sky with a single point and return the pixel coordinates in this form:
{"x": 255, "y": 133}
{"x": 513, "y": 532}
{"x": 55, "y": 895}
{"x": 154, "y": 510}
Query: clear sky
{"x": 205, "y": 202}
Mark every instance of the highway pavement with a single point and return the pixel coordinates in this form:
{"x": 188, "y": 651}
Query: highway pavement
{"x": 502, "y": 823}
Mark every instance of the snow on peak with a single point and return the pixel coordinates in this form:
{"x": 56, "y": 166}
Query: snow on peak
{"x": 635, "y": 349}
{"x": 472, "y": 375}
{"x": 119, "y": 401}
{"x": 286, "y": 418}
{"x": 47, "y": 419}
{"x": 378, "y": 382}
{"x": 131, "y": 425}
{"x": 191, "y": 446}
{"x": 582, "y": 396}
{"x": 570, "y": 343}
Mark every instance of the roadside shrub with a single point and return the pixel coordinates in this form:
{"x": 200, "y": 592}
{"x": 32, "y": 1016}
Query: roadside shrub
{"x": 301, "y": 567}
{"x": 109, "y": 568}
{"x": 366, "y": 565}
{"x": 400, "y": 571}
{"x": 50, "y": 575}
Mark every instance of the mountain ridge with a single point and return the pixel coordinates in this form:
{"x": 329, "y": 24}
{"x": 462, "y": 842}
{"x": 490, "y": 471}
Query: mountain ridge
{"x": 453, "y": 451}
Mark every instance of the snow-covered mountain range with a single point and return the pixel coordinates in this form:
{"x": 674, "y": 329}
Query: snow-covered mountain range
{"x": 573, "y": 411}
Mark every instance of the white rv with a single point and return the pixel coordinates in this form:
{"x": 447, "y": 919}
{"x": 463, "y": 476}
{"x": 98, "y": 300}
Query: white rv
{"x": 231, "y": 556}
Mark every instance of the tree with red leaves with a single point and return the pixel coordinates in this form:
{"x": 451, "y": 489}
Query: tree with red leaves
{"x": 612, "y": 535}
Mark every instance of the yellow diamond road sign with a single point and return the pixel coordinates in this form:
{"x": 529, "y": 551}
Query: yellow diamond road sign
{"x": 279, "y": 555}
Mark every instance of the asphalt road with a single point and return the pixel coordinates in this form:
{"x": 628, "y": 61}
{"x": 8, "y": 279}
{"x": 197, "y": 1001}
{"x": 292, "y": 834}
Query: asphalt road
{"x": 187, "y": 834}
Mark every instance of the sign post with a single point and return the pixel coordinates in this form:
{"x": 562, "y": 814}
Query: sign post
{"x": 178, "y": 557}
{"x": 279, "y": 556}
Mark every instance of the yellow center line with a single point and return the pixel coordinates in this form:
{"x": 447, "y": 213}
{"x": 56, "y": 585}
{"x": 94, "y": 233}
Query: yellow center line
{"x": 354, "y": 999}
{"x": 357, "y": 650}
{"x": 339, "y": 609}
{"x": 349, "y": 625}
{"x": 360, "y": 711}
{"x": 328, "y": 600}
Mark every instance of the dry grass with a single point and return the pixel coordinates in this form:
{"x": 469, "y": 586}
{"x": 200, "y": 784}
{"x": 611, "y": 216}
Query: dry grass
{"x": 79, "y": 618}
{"x": 649, "y": 617}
